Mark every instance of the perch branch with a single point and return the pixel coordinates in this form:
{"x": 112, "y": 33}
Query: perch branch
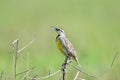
{"x": 64, "y": 65}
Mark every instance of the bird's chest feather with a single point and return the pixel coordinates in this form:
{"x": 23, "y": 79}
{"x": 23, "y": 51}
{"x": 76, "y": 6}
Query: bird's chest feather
{"x": 59, "y": 45}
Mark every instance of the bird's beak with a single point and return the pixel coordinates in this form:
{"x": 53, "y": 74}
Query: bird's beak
{"x": 55, "y": 29}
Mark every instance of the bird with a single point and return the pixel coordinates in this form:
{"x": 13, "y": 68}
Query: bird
{"x": 65, "y": 46}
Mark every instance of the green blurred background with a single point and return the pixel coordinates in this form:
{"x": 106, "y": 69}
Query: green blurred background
{"x": 93, "y": 26}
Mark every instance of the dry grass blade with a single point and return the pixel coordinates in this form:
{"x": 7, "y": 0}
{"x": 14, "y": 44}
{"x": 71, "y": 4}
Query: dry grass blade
{"x": 45, "y": 77}
{"x": 24, "y": 71}
{"x": 115, "y": 56}
{"x": 14, "y": 43}
{"x": 26, "y": 74}
{"x": 25, "y": 46}
{"x": 82, "y": 71}
{"x": 15, "y": 47}
{"x": 76, "y": 76}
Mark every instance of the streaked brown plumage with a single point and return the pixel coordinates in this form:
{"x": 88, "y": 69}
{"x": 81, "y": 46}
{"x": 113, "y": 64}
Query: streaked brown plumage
{"x": 64, "y": 45}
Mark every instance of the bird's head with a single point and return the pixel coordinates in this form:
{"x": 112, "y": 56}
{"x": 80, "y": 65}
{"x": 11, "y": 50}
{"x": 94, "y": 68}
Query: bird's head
{"x": 58, "y": 31}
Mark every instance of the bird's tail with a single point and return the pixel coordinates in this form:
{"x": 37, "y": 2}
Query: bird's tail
{"x": 76, "y": 59}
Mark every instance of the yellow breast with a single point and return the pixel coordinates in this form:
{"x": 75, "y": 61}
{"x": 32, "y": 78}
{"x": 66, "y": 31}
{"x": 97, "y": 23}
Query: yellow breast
{"x": 59, "y": 46}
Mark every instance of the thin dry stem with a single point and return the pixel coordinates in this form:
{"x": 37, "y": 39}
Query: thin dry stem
{"x": 115, "y": 56}
{"x": 26, "y": 74}
{"x": 25, "y": 46}
{"x": 76, "y": 75}
{"x": 82, "y": 71}
{"x": 15, "y": 46}
{"x": 24, "y": 71}
{"x": 45, "y": 77}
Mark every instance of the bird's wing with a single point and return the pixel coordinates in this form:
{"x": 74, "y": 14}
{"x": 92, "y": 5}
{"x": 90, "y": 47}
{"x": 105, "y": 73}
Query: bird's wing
{"x": 68, "y": 49}
{"x": 67, "y": 46}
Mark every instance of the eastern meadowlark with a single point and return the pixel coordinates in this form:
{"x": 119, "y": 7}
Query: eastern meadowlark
{"x": 65, "y": 46}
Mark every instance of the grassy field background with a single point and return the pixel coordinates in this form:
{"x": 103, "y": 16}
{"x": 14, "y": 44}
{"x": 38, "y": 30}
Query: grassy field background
{"x": 93, "y": 26}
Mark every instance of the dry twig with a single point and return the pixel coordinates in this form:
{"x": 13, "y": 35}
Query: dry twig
{"x": 64, "y": 65}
